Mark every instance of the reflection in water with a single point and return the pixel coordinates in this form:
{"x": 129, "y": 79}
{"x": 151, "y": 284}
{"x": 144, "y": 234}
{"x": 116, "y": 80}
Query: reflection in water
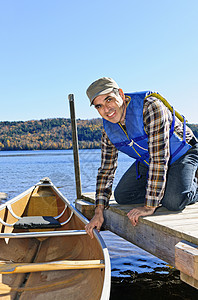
{"x": 126, "y": 256}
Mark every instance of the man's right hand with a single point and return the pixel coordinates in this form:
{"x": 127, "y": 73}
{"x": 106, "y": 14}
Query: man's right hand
{"x": 96, "y": 221}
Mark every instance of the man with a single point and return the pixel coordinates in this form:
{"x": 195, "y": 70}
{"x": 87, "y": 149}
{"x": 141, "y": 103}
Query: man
{"x": 144, "y": 126}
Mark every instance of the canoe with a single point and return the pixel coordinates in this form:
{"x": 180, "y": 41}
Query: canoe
{"x": 45, "y": 252}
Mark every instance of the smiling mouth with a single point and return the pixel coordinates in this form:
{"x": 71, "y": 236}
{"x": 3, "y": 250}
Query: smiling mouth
{"x": 111, "y": 114}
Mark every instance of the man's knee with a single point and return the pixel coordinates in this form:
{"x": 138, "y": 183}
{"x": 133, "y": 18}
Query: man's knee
{"x": 122, "y": 196}
{"x": 118, "y": 195}
{"x": 172, "y": 206}
{"x": 178, "y": 202}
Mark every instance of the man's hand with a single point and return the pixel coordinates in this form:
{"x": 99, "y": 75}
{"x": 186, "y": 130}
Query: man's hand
{"x": 96, "y": 221}
{"x": 135, "y": 213}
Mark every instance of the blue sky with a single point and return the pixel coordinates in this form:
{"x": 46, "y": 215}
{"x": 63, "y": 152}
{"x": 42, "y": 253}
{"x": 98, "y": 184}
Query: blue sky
{"x": 51, "y": 48}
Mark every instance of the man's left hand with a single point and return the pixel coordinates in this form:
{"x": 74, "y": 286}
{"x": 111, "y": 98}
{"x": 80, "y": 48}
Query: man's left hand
{"x": 135, "y": 213}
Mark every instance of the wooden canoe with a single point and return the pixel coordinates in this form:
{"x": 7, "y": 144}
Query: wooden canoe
{"x": 45, "y": 252}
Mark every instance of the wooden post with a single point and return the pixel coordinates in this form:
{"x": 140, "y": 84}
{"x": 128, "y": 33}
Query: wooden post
{"x": 186, "y": 260}
{"x": 3, "y": 196}
{"x": 75, "y": 146}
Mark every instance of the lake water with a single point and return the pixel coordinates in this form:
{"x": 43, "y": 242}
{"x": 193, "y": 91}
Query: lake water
{"x": 22, "y": 169}
{"x": 136, "y": 274}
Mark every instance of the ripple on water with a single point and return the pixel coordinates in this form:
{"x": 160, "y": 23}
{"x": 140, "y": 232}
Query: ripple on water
{"x": 127, "y": 258}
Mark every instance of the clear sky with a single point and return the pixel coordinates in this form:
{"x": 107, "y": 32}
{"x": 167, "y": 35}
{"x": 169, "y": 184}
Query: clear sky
{"x": 51, "y": 48}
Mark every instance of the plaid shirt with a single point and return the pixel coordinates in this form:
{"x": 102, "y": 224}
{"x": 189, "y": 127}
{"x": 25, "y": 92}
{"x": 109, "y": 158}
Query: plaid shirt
{"x": 157, "y": 123}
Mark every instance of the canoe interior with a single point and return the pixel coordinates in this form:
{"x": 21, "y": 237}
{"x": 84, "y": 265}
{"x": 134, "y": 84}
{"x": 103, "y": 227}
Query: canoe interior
{"x": 58, "y": 284}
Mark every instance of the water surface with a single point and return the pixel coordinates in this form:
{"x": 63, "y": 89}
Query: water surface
{"x": 23, "y": 169}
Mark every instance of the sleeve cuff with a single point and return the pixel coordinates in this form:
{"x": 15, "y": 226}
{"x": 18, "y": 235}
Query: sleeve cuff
{"x": 152, "y": 203}
{"x": 102, "y": 202}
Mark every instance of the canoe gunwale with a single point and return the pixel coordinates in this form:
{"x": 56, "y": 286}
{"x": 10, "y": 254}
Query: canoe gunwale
{"x": 42, "y": 234}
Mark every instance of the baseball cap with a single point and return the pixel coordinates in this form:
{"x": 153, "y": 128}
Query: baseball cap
{"x": 102, "y": 86}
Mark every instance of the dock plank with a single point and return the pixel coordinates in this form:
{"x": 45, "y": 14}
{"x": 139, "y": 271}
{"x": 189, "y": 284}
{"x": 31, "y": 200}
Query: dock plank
{"x": 158, "y": 234}
{"x": 3, "y": 196}
{"x": 165, "y": 226}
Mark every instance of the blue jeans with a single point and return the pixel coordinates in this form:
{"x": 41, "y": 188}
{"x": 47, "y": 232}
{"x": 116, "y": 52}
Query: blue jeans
{"x": 181, "y": 184}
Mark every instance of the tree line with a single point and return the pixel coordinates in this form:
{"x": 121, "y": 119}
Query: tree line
{"x": 53, "y": 134}
{"x": 49, "y": 134}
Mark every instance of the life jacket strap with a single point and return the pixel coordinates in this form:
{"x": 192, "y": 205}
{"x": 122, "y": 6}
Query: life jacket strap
{"x": 184, "y": 140}
{"x": 142, "y": 159}
{"x": 137, "y": 163}
{"x": 173, "y": 123}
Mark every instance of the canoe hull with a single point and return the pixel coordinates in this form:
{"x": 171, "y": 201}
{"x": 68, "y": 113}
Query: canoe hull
{"x": 44, "y": 199}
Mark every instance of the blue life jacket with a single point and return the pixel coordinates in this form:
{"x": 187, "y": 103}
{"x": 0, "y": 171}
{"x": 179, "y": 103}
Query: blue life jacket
{"x": 134, "y": 142}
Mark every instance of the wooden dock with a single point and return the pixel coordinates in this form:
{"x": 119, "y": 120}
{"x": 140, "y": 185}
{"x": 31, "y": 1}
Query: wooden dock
{"x": 171, "y": 236}
{"x": 3, "y": 196}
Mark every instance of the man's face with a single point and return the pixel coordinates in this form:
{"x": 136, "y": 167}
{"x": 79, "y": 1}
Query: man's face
{"x": 111, "y": 106}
